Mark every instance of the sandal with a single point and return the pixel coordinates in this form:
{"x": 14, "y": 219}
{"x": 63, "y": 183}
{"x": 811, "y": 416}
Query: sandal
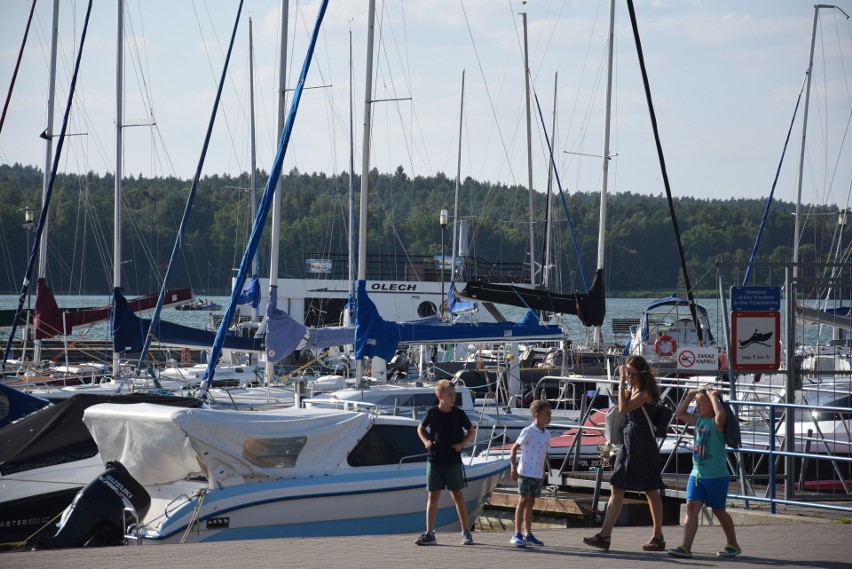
{"x": 599, "y": 541}
{"x": 655, "y": 544}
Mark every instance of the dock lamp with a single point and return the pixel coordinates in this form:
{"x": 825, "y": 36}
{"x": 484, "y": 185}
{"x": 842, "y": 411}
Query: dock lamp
{"x": 442, "y": 219}
{"x": 28, "y": 227}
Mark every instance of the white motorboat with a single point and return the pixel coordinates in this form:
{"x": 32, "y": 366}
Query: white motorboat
{"x": 414, "y": 400}
{"x": 666, "y": 329}
{"x": 198, "y": 475}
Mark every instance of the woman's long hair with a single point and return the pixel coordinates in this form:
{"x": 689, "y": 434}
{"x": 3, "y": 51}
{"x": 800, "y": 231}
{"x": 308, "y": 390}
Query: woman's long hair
{"x": 647, "y": 382}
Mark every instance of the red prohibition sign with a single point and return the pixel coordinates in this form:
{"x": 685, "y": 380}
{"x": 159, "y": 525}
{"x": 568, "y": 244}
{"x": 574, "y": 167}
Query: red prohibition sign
{"x": 686, "y": 358}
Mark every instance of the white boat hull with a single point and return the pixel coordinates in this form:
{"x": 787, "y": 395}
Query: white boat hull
{"x": 363, "y": 503}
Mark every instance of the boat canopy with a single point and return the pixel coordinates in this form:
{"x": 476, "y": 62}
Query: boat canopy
{"x": 668, "y": 308}
{"x": 161, "y": 444}
{"x": 56, "y": 434}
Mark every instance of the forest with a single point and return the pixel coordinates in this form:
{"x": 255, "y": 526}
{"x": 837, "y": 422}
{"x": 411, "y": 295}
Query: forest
{"x": 641, "y": 256}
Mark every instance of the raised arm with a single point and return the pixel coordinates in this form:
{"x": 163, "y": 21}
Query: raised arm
{"x": 720, "y": 417}
{"x": 629, "y": 400}
{"x": 682, "y": 412}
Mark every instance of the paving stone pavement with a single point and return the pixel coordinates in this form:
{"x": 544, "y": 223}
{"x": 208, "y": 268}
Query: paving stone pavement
{"x": 806, "y": 545}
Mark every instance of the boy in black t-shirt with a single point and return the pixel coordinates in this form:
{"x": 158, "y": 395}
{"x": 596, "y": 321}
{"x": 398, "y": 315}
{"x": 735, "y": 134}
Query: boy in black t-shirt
{"x": 445, "y": 431}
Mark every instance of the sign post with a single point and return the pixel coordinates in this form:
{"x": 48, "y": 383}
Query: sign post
{"x": 755, "y": 339}
{"x": 755, "y": 327}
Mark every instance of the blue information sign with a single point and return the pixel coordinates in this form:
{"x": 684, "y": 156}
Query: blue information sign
{"x": 755, "y": 298}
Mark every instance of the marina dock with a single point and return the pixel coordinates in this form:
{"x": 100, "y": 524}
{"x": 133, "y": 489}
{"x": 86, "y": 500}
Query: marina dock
{"x": 807, "y": 544}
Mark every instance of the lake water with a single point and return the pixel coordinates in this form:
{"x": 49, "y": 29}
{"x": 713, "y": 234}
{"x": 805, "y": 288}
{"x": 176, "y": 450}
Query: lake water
{"x": 616, "y": 308}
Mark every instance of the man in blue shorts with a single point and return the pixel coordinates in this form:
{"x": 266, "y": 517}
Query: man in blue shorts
{"x": 708, "y": 481}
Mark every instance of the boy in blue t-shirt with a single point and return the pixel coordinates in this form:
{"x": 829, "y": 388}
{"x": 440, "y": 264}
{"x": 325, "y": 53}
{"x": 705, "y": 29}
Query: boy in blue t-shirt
{"x": 708, "y": 481}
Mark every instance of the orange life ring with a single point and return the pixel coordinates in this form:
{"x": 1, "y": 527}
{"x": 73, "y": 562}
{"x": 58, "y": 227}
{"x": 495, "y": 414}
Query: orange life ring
{"x": 662, "y": 340}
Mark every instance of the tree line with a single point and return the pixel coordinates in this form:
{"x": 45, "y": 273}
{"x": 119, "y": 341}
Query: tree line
{"x": 641, "y": 257}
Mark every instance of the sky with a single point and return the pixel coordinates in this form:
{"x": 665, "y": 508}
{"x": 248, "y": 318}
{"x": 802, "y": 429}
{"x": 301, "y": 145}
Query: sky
{"x": 724, "y": 78}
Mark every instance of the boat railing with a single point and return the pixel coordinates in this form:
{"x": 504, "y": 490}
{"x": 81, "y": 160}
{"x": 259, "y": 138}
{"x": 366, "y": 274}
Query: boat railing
{"x": 566, "y": 396}
{"x": 491, "y": 445}
{"x": 344, "y": 405}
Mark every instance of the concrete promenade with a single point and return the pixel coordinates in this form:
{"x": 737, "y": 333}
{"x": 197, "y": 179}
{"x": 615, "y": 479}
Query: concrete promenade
{"x": 804, "y": 543}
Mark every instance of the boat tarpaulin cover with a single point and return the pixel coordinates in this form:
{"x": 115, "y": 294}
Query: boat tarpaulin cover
{"x": 160, "y": 445}
{"x": 56, "y": 434}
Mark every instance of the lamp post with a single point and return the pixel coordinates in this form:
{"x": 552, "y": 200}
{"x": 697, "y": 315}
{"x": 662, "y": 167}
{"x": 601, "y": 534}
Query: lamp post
{"x": 28, "y": 227}
{"x": 442, "y": 219}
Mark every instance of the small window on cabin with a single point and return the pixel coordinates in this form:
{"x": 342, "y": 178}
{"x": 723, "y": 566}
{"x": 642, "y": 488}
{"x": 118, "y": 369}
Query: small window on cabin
{"x": 388, "y": 444}
{"x": 274, "y": 453}
{"x": 427, "y": 400}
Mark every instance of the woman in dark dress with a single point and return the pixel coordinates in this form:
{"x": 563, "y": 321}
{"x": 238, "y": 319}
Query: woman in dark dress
{"x": 637, "y": 464}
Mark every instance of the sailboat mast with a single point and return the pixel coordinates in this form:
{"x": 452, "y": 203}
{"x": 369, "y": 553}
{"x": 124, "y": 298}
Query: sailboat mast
{"x": 529, "y": 152}
{"x": 454, "y": 252}
{"x": 253, "y": 177}
{"x": 798, "y": 222}
{"x": 365, "y": 167}
{"x": 347, "y": 315}
{"x": 275, "y": 222}
{"x": 119, "y": 117}
{"x": 548, "y": 227}
{"x": 597, "y": 337}
{"x": 48, "y": 152}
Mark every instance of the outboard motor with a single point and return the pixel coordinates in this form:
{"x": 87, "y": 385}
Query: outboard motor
{"x": 96, "y": 516}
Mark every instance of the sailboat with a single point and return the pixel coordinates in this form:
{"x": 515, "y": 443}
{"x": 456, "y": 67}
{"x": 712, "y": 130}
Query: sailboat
{"x": 589, "y": 306}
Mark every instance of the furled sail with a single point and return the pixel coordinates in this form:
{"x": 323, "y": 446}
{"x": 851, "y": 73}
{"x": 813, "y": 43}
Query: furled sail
{"x": 128, "y": 332}
{"x": 589, "y": 307}
{"x": 50, "y": 320}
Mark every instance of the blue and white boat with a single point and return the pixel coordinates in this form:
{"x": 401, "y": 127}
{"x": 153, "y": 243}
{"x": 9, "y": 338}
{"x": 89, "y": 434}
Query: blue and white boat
{"x": 215, "y": 475}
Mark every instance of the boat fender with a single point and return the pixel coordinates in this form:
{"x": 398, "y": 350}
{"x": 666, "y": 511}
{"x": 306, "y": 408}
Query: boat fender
{"x": 665, "y": 346}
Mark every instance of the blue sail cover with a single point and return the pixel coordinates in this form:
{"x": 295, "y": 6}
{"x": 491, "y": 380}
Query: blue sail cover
{"x": 251, "y": 295}
{"x": 328, "y": 336}
{"x": 375, "y": 336}
{"x": 128, "y": 332}
{"x": 128, "y": 335}
{"x": 284, "y": 334}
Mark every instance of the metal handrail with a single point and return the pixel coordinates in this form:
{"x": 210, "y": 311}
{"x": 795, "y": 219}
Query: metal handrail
{"x": 775, "y": 449}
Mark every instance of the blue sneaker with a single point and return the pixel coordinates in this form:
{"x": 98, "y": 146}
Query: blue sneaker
{"x": 530, "y": 539}
{"x": 518, "y": 540}
{"x": 467, "y": 539}
{"x": 427, "y": 538}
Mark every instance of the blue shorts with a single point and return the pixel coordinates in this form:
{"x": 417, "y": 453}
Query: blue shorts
{"x": 711, "y": 491}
